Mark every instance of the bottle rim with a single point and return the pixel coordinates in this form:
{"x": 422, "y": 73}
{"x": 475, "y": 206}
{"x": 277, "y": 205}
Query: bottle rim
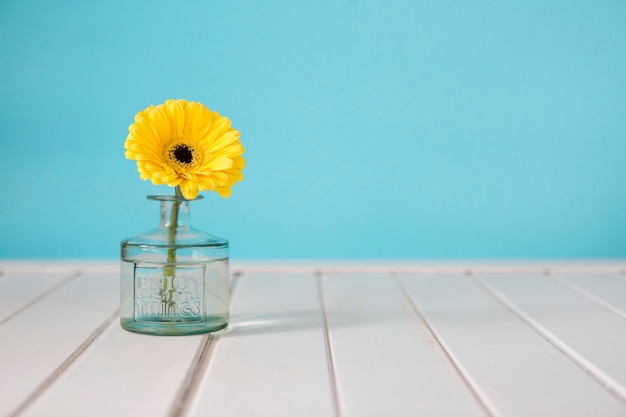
{"x": 172, "y": 198}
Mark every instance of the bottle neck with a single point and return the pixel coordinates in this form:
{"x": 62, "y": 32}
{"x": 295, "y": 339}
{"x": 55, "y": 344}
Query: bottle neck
{"x": 174, "y": 210}
{"x": 174, "y": 213}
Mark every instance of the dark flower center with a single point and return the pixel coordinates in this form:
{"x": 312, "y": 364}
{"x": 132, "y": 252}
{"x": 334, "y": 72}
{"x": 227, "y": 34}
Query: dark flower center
{"x": 183, "y": 154}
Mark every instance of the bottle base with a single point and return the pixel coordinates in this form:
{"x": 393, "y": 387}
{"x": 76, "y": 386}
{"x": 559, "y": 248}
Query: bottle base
{"x": 209, "y": 325}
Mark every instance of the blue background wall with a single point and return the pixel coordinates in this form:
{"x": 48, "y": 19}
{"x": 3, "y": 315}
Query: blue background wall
{"x": 384, "y": 129}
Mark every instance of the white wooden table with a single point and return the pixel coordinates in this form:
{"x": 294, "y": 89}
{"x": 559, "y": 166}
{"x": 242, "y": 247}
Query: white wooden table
{"x": 325, "y": 339}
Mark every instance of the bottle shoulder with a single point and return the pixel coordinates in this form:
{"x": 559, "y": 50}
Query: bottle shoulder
{"x": 182, "y": 237}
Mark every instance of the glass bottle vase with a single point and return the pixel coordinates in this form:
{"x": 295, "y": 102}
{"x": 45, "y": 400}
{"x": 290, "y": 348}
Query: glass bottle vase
{"x": 174, "y": 278}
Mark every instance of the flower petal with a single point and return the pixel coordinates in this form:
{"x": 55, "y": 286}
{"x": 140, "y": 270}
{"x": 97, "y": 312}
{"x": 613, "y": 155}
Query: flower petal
{"x": 189, "y": 189}
{"x": 224, "y": 192}
{"x": 219, "y": 164}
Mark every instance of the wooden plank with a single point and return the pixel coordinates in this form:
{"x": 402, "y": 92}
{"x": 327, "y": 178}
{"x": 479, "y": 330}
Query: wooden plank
{"x": 572, "y": 322}
{"x": 518, "y": 370}
{"x": 272, "y": 362}
{"x": 18, "y": 291}
{"x": 387, "y": 363}
{"x": 43, "y": 339}
{"x": 121, "y": 374}
{"x": 606, "y": 290}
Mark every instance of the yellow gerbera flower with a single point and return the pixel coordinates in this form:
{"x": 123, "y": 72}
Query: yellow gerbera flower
{"x": 183, "y": 143}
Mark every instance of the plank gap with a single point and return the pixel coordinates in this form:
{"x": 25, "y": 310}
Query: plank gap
{"x": 190, "y": 385}
{"x": 486, "y": 404}
{"x": 64, "y": 365}
{"x": 588, "y": 294}
{"x": 41, "y": 296}
{"x": 332, "y": 375}
{"x": 607, "y": 382}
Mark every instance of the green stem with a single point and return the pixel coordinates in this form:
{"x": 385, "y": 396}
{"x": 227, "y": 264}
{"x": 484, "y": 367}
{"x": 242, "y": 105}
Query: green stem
{"x": 170, "y": 268}
{"x": 171, "y": 252}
